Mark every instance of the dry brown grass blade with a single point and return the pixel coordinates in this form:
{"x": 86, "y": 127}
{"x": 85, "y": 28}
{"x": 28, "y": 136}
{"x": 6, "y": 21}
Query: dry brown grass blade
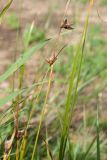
{"x": 8, "y": 145}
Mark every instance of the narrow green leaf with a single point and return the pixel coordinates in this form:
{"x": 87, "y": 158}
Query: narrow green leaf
{"x": 97, "y": 130}
{"x": 2, "y": 13}
{"x": 14, "y": 94}
{"x": 22, "y": 60}
{"x": 69, "y": 108}
{"x": 9, "y": 97}
{"x": 89, "y": 148}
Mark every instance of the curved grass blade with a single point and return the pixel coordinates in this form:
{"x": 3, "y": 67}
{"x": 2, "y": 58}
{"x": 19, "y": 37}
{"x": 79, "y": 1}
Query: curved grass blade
{"x": 75, "y": 73}
{"x": 26, "y": 45}
{"x": 22, "y": 60}
{"x": 2, "y": 13}
{"x": 14, "y": 94}
{"x": 89, "y": 148}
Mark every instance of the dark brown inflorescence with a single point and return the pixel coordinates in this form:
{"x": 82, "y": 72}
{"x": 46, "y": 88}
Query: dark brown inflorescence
{"x": 66, "y": 25}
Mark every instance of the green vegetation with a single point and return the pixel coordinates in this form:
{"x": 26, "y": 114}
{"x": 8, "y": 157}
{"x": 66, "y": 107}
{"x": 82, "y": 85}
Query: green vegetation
{"x": 60, "y": 114}
{"x": 4, "y": 10}
{"x": 103, "y": 2}
{"x": 36, "y": 35}
{"x": 84, "y": 1}
{"x": 13, "y": 21}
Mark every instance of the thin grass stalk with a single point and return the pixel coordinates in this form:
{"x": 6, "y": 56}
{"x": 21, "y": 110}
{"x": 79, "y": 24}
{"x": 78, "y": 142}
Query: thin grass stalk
{"x": 82, "y": 45}
{"x": 59, "y": 31}
{"x": 4, "y": 10}
{"x": 17, "y": 150}
{"x": 49, "y": 153}
{"x": 22, "y": 68}
{"x": 21, "y": 77}
{"x": 23, "y": 144}
{"x": 98, "y": 132}
{"x": 89, "y": 148}
{"x": 47, "y": 144}
{"x": 67, "y": 117}
{"x": 85, "y": 126}
{"x": 37, "y": 97}
{"x": 43, "y": 113}
{"x": 17, "y": 46}
{"x": 70, "y": 149}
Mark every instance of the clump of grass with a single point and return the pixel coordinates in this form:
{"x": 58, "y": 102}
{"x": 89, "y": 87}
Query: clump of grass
{"x": 13, "y": 21}
{"x": 67, "y": 116}
{"x": 24, "y": 102}
{"x": 37, "y": 35}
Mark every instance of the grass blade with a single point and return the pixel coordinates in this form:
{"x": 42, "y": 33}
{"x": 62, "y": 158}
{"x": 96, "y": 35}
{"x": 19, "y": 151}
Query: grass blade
{"x": 42, "y": 113}
{"x": 2, "y": 13}
{"x": 77, "y": 62}
{"x": 14, "y": 94}
{"x": 24, "y": 140}
{"x": 26, "y": 45}
{"x": 22, "y": 60}
{"x": 97, "y": 130}
{"x": 89, "y": 148}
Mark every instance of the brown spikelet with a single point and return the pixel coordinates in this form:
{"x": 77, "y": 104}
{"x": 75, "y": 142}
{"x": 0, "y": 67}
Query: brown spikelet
{"x": 53, "y": 58}
{"x": 20, "y": 134}
{"x": 66, "y": 25}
